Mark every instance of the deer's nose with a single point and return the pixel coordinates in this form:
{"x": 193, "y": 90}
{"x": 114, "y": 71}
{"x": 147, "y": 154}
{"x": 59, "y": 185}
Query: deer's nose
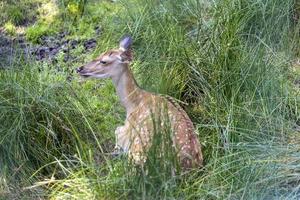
{"x": 79, "y": 69}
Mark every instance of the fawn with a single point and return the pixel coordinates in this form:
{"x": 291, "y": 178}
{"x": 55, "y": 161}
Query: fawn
{"x": 135, "y": 136}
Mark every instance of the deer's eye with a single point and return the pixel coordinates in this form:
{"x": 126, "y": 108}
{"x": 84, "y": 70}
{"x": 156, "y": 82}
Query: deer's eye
{"x": 103, "y": 62}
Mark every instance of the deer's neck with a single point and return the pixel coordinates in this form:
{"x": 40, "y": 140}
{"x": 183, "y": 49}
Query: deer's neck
{"x": 127, "y": 89}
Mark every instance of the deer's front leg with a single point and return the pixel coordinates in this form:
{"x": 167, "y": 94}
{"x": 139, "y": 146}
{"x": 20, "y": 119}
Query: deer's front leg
{"x": 118, "y": 149}
{"x": 122, "y": 139}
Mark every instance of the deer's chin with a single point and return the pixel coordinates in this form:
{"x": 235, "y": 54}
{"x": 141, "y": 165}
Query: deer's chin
{"x": 101, "y": 76}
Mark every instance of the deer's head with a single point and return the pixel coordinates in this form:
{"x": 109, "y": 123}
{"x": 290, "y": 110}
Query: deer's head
{"x": 109, "y": 64}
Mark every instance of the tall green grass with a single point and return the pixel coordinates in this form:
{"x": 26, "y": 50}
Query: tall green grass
{"x": 229, "y": 60}
{"x": 45, "y": 121}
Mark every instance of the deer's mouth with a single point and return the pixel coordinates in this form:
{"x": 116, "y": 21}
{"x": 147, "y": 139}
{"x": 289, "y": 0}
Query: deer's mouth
{"x": 82, "y": 72}
{"x": 84, "y": 75}
{"x": 94, "y": 75}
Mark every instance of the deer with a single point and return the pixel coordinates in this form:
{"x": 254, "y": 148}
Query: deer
{"x": 135, "y": 136}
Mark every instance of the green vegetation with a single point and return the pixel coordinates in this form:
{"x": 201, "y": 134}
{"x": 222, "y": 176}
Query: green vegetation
{"x": 18, "y": 12}
{"x": 10, "y": 28}
{"x": 35, "y": 33}
{"x": 233, "y": 61}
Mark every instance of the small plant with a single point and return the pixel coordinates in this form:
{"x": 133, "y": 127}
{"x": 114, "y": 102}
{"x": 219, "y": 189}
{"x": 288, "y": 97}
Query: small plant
{"x": 10, "y": 28}
{"x": 73, "y": 8}
{"x": 76, "y": 8}
{"x": 35, "y": 32}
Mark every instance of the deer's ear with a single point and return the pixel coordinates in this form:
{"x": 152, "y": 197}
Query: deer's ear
{"x": 125, "y": 43}
{"x": 126, "y": 56}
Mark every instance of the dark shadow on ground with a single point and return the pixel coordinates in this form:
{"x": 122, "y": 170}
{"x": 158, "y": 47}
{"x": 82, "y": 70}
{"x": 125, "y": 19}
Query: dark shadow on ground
{"x": 15, "y": 49}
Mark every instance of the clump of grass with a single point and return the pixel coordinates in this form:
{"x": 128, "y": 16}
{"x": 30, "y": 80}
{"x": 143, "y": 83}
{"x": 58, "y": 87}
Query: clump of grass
{"x": 43, "y": 120}
{"x": 19, "y": 12}
{"x": 15, "y": 14}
